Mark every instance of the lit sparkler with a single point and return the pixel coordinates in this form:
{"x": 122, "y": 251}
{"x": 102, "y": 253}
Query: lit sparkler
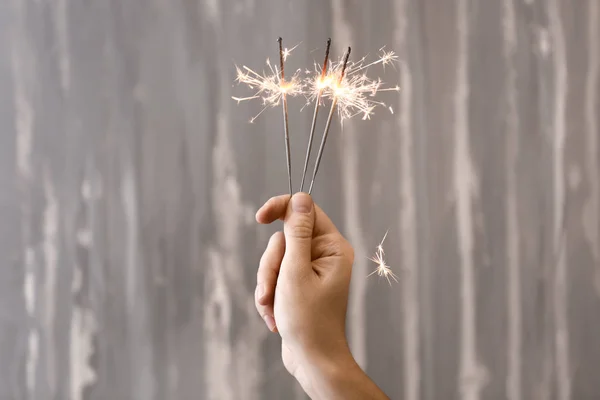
{"x": 382, "y": 268}
{"x": 286, "y": 131}
{"x": 351, "y": 90}
{"x": 272, "y": 88}
{"x": 329, "y": 119}
{"x": 320, "y": 83}
{"x": 345, "y": 83}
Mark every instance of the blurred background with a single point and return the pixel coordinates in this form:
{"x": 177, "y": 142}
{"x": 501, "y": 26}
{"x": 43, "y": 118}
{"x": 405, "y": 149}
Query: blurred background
{"x": 129, "y": 180}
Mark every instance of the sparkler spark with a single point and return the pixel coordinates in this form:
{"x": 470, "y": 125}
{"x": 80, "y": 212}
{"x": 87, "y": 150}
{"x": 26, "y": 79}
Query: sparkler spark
{"x": 269, "y": 86}
{"x": 380, "y": 245}
{"x": 382, "y": 268}
{"x": 355, "y": 93}
{"x": 286, "y": 52}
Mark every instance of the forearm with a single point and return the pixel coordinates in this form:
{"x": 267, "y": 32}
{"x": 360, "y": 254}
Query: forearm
{"x": 340, "y": 378}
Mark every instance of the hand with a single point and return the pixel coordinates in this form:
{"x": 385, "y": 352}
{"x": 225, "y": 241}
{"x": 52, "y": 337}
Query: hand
{"x": 302, "y": 286}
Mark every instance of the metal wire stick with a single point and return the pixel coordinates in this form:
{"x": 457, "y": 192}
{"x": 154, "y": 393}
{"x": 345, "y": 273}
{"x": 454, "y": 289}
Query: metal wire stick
{"x": 285, "y": 118}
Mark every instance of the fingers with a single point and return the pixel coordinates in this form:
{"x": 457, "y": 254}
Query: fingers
{"x": 266, "y": 278}
{"x": 276, "y": 207}
{"x": 273, "y": 209}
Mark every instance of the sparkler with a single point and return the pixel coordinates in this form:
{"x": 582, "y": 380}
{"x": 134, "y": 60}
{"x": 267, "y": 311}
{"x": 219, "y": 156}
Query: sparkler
{"x": 272, "y": 88}
{"x": 320, "y": 83}
{"x": 329, "y": 119}
{"x": 351, "y": 90}
{"x": 382, "y": 268}
{"x": 285, "y": 117}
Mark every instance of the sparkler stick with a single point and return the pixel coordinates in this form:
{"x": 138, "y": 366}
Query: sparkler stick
{"x": 320, "y": 82}
{"x": 285, "y": 117}
{"x": 329, "y": 119}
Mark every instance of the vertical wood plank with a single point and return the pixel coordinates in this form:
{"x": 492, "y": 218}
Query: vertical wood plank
{"x": 129, "y": 179}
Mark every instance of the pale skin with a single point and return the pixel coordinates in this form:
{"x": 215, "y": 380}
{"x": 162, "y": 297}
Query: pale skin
{"x": 302, "y": 289}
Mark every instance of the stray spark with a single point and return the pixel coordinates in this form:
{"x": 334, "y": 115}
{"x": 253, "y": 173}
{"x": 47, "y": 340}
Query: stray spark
{"x": 382, "y": 268}
{"x": 380, "y": 245}
{"x": 286, "y": 52}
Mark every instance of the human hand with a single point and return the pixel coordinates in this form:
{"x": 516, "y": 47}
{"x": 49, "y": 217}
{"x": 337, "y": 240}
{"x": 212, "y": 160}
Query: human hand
{"x": 302, "y": 285}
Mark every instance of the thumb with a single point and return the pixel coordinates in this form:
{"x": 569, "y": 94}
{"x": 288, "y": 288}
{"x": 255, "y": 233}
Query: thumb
{"x": 298, "y": 229}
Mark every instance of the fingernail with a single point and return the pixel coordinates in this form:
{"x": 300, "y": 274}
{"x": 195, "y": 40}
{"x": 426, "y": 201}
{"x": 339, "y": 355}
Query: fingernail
{"x": 270, "y": 321}
{"x": 301, "y": 203}
{"x": 260, "y": 291}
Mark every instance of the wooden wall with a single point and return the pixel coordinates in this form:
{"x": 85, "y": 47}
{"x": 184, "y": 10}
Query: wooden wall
{"x": 129, "y": 179}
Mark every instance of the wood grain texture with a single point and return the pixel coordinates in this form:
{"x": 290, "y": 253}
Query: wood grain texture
{"x": 129, "y": 180}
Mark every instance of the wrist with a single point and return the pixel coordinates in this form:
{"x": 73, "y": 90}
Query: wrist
{"x": 336, "y": 375}
{"x": 320, "y": 372}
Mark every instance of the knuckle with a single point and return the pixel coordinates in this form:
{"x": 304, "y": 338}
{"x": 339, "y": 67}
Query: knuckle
{"x": 261, "y": 310}
{"x": 339, "y": 246}
{"x": 259, "y": 307}
{"x": 268, "y": 276}
{"x": 301, "y": 229}
{"x": 336, "y": 246}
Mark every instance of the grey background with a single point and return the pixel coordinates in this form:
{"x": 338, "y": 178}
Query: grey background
{"x": 129, "y": 179}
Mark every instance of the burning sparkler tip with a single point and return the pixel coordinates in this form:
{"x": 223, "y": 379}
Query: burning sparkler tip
{"x": 347, "y": 56}
{"x": 327, "y": 54}
{"x": 345, "y": 81}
